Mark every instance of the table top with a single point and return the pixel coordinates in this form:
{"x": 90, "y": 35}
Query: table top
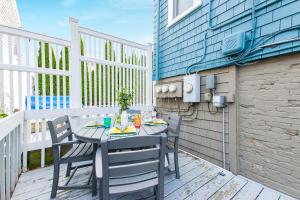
{"x": 95, "y": 135}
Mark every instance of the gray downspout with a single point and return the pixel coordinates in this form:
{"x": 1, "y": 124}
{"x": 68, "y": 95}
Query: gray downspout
{"x": 223, "y": 138}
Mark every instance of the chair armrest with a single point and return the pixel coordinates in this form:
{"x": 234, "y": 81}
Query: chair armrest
{"x": 66, "y": 143}
{"x": 98, "y": 164}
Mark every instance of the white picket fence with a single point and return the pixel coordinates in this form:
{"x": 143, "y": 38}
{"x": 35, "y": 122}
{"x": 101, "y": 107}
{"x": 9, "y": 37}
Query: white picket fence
{"x": 44, "y": 77}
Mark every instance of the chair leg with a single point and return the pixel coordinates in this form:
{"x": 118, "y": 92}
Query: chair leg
{"x": 168, "y": 158}
{"x": 68, "y": 169}
{"x": 160, "y": 192}
{"x": 55, "y": 181}
{"x": 100, "y": 190}
{"x": 104, "y": 191}
{"x": 176, "y": 164}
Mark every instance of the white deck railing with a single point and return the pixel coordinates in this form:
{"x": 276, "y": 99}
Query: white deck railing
{"x": 11, "y": 147}
{"x": 86, "y": 73}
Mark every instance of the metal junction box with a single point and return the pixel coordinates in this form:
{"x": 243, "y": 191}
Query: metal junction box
{"x": 191, "y": 88}
{"x": 211, "y": 82}
{"x": 234, "y": 43}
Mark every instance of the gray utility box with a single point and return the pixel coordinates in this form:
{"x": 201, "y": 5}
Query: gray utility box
{"x": 234, "y": 43}
{"x": 211, "y": 82}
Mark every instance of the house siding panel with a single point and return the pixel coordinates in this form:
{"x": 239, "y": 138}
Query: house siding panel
{"x": 203, "y": 135}
{"x": 180, "y": 39}
{"x": 262, "y": 113}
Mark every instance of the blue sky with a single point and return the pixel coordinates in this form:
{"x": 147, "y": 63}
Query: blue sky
{"x": 129, "y": 19}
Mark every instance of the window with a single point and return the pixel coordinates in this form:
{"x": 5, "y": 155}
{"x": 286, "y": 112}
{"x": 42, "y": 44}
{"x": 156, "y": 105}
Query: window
{"x": 177, "y": 9}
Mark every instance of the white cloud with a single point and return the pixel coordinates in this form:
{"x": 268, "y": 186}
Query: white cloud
{"x": 68, "y": 3}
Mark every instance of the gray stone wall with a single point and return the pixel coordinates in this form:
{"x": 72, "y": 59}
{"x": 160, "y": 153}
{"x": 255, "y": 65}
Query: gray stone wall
{"x": 269, "y": 122}
{"x": 203, "y": 135}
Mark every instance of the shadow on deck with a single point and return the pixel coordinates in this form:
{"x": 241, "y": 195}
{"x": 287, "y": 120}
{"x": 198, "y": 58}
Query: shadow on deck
{"x": 199, "y": 180}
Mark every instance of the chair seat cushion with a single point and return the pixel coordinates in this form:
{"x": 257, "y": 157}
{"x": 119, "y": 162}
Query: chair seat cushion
{"x": 83, "y": 149}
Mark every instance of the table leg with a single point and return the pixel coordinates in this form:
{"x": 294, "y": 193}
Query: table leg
{"x": 94, "y": 179}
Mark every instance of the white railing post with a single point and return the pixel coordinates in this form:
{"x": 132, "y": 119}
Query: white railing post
{"x": 149, "y": 76}
{"x": 75, "y": 67}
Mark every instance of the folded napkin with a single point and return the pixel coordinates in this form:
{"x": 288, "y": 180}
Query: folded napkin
{"x": 155, "y": 122}
{"x": 94, "y": 124}
{"x": 128, "y": 130}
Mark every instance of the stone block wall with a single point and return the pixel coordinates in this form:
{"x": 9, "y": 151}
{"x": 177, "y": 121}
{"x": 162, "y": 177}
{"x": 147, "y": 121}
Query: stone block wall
{"x": 269, "y": 122}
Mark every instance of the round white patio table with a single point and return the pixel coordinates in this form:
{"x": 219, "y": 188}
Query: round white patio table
{"x": 95, "y": 135}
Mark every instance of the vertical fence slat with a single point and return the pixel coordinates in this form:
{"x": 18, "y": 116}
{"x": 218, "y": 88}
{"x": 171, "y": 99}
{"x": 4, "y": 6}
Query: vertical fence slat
{"x": 2, "y": 169}
{"x": 104, "y": 75}
{"x": 1, "y": 49}
{"x": 127, "y": 69}
{"x": 11, "y": 91}
{"x": 7, "y": 166}
{"x": 113, "y": 75}
{"x": 43, "y": 138}
{"x": 64, "y": 92}
{"x": 90, "y": 83}
{"x": 149, "y": 77}
{"x": 85, "y": 82}
{"x": 108, "y": 73}
{"x": 141, "y": 79}
{"x": 36, "y": 85}
{"x": 20, "y": 78}
{"x": 10, "y": 50}
{"x": 57, "y": 79}
{"x": 10, "y": 61}
{"x": 27, "y": 74}
{"x": 119, "y": 60}
{"x": 100, "y": 84}
{"x": 64, "y": 77}
{"x": 90, "y": 46}
{"x": 95, "y": 83}
{"x": 43, "y": 76}
{"x": 144, "y": 81}
{"x": 1, "y": 71}
{"x": 12, "y": 159}
{"x": 28, "y": 91}
{"x": 20, "y": 90}
{"x": 20, "y": 147}
{"x": 50, "y": 76}
{"x": 26, "y": 133}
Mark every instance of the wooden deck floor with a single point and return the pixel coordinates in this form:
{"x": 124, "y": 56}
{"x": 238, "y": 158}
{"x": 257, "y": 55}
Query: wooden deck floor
{"x": 199, "y": 180}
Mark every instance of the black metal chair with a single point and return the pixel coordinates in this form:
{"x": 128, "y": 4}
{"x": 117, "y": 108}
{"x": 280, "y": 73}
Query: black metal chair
{"x": 134, "y": 170}
{"x": 62, "y": 135}
{"x": 174, "y": 123}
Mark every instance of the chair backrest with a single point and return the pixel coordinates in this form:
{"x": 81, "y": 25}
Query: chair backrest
{"x": 174, "y": 123}
{"x": 60, "y": 128}
{"x": 139, "y": 155}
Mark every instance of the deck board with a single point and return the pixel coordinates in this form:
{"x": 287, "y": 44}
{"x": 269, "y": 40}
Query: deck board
{"x": 199, "y": 180}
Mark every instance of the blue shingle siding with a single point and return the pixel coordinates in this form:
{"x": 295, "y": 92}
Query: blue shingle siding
{"x": 182, "y": 44}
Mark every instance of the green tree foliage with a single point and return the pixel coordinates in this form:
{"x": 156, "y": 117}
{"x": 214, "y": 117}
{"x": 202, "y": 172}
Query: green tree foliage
{"x": 47, "y": 66}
